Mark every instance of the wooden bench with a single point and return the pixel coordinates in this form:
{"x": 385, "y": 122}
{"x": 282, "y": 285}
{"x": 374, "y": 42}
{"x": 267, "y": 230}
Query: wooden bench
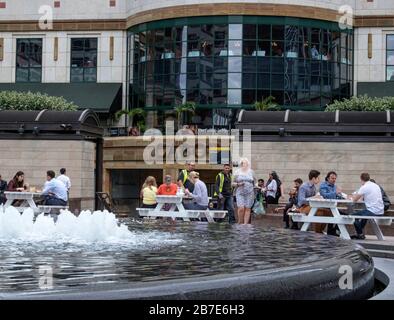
{"x": 186, "y": 215}
{"x": 46, "y": 209}
{"x": 345, "y": 220}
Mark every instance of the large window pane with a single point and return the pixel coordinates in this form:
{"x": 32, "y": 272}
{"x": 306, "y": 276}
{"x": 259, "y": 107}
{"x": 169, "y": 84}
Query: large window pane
{"x": 390, "y": 73}
{"x": 234, "y": 96}
{"x": 28, "y": 60}
{"x": 390, "y": 42}
{"x": 249, "y": 31}
{"x": 235, "y": 48}
{"x": 22, "y": 74}
{"x": 235, "y": 31}
{"x": 84, "y": 58}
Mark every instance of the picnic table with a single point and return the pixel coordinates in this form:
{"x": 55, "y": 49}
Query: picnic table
{"x": 27, "y": 197}
{"x": 337, "y": 218}
{"x": 177, "y": 210}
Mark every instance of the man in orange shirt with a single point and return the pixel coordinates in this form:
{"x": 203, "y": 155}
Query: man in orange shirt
{"x": 167, "y": 188}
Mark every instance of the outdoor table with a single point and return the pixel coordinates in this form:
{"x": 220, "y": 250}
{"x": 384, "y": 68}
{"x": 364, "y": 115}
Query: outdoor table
{"x": 27, "y": 198}
{"x": 175, "y": 202}
{"x": 337, "y": 218}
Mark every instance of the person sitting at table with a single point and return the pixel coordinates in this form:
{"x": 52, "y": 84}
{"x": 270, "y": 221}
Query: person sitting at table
{"x": 148, "y": 193}
{"x": 183, "y": 178}
{"x": 17, "y": 183}
{"x": 168, "y": 188}
{"x": 373, "y": 202}
{"x": 293, "y": 200}
{"x": 55, "y": 192}
{"x": 308, "y": 190}
{"x": 329, "y": 190}
{"x": 3, "y": 188}
{"x": 199, "y": 195}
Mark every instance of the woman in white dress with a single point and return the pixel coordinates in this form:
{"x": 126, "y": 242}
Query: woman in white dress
{"x": 244, "y": 181}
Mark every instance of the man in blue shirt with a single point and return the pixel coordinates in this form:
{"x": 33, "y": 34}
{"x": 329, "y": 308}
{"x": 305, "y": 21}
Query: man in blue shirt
{"x": 308, "y": 190}
{"x": 328, "y": 190}
{"x": 55, "y": 192}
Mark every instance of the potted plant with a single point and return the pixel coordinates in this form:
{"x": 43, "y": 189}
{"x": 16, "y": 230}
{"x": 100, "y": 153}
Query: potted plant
{"x": 267, "y": 104}
{"x": 182, "y": 112}
{"x": 132, "y": 114}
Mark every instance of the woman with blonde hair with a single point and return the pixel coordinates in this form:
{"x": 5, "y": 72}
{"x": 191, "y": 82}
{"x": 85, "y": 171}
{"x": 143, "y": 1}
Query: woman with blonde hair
{"x": 244, "y": 181}
{"x": 148, "y": 193}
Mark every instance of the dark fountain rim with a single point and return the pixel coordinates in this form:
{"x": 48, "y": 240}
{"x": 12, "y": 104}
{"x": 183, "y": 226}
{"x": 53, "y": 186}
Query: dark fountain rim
{"x": 308, "y": 281}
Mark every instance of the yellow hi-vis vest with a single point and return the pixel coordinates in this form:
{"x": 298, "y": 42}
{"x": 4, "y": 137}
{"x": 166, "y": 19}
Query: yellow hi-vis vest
{"x": 221, "y": 183}
{"x": 185, "y": 175}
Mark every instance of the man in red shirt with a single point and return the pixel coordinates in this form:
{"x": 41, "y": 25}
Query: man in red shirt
{"x": 167, "y": 188}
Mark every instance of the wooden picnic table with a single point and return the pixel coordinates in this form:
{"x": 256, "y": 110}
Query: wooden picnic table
{"x": 176, "y": 202}
{"x": 27, "y": 197}
{"x": 337, "y": 218}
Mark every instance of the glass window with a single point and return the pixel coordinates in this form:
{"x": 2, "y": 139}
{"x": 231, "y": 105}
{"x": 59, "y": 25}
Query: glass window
{"x": 249, "y": 31}
{"x": 390, "y": 58}
{"x": 28, "y": 60}
{"x": 234, "y": 96}
{"x": 84, "y": 59}
{"x": 278, "y": 32}
{"x": 233, "y": 64}
{"x": 264, "y": 32}
{"x": 235, "y": 47}
{"x": 235, "y": 31}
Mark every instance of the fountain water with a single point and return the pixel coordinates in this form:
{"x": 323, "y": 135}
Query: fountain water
{"x": 94, "y": 256}
{"x": 96, "y": 226}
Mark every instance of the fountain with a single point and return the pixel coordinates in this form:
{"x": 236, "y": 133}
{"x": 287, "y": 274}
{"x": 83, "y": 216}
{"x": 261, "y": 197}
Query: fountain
{"x": 95, "y": 256}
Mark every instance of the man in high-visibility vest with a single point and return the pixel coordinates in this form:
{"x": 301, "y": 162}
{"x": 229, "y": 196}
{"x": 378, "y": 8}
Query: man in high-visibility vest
{"x": 224, "y": 192}
{"x": 183, "y": 178}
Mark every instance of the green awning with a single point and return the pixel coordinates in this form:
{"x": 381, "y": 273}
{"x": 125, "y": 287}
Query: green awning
{"x": 100, "y": 97}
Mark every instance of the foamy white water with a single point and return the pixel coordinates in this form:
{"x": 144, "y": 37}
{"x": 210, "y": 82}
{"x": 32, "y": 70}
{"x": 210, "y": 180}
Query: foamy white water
{"x": 88, "y": 227}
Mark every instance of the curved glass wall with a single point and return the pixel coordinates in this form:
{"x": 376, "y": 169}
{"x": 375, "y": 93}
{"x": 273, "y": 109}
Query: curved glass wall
{"x": 232, "y": 62}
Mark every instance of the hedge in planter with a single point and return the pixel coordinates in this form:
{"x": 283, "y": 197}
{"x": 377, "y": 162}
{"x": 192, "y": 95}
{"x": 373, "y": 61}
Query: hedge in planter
{"x": 362, "y": 103}
{"x": 25, "y": 101}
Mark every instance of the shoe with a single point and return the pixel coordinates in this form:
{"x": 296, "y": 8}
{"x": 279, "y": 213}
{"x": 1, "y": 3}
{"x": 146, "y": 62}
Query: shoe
{"x": 358, "y": 237}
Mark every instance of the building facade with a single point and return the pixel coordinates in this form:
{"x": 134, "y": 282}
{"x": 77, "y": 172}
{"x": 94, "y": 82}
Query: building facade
{"x": 222, "y": 55}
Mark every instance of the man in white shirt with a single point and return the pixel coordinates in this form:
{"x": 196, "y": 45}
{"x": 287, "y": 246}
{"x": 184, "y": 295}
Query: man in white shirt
{"x": 372, "y": 196}
{"x": 63, "y": 178}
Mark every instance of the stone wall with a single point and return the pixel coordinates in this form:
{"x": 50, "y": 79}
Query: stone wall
{"x": 35, "y": 157}
{"x": 289, "y": 159}
{"x": 295, "y": 159}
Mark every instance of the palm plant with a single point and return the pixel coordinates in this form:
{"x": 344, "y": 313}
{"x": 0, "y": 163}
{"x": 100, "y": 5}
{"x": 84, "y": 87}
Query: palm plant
{"x": 267, "y": 104}
{"x": 184, "y": 109}
{"x": 136, "y": 112}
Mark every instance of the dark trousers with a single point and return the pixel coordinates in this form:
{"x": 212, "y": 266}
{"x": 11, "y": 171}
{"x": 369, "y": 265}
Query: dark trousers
{"x": 227, "y": 203}
{"x": 359, "y": 225}
{"x": 149, "y": 206}
{"x": 286, "y": 217}
{"x": 3, "y": 199}
{"x": 272, "y": 200}
{"x": 194, "y": 206}
{"x": 53, "y": 201}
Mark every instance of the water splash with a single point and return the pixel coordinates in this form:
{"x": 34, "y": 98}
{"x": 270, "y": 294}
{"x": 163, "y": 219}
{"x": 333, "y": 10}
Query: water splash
{"x": 88, "y": 226}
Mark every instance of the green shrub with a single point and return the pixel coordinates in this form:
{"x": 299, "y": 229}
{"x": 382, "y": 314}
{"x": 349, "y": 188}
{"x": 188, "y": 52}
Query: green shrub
{"x": 362, "y": 103}
{"x": 25, "y": 101}
{"x": 267, "y": 104}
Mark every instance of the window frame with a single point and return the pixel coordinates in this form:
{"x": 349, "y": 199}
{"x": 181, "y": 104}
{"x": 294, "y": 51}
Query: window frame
{"x": 84, "y": 55}
{"x": 30, "y": 67}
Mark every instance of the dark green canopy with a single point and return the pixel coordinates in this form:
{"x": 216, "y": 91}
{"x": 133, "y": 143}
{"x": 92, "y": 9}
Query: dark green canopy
{"x": 100, "y": 97}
